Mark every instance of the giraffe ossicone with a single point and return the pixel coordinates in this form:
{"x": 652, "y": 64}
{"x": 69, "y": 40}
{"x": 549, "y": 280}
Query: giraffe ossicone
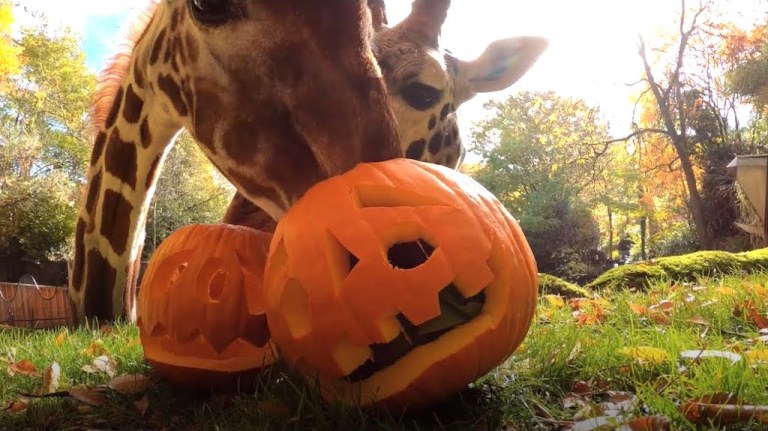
{"x": 267, "y": 89}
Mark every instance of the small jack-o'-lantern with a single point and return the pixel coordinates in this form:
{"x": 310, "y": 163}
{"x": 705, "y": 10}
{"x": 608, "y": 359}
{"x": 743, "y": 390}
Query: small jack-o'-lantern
{"x": 398, "y": 283}
{"x": 200, "y": 311}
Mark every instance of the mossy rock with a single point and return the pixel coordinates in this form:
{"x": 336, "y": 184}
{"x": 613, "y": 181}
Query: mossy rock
{"x": 688, "y": 267}
{"x": 551, "y": 285}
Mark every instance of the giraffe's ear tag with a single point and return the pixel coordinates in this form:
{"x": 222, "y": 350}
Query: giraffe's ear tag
{"x": 398, "y": 282}
{"x": 201, "y": 314}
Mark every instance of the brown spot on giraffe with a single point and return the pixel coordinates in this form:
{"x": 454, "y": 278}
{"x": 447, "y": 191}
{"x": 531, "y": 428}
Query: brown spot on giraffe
{"x": 416, "y": 149}
{"x": 98, "y": 147}
{"x": 112, "y": 117}
{"x": 168, "y": 85}
{"x": 133, "y": 105}
{"x": 157, "y": 48}
{"x": 120, "y": 159}
{"x": 436, "y": 143}
{"x": 152, "y": 176}
{"x": 77, "y": 270}
{"x": 93, "y": 192}
{"x": 114, "y": 223}
{"x": 99, "y": 302}
{"x": 145, "y": 133}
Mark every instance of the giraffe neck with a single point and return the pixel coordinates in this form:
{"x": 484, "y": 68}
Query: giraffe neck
{"x": 128, "y": 152}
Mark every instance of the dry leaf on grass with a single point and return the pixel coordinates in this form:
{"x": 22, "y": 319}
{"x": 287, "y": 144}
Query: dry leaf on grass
{"x": 723, "y": 410}
{"x": 757, "y": 356}
{"x": 24, "y": 367}
{"x": 60, "y": 338}
{"x": 555, "y": 301}
{"x": 89, "y": 395}
{"x": 102, "y": 364}
{"x": 748, "y": 310}
{"x": 617, "y": 403}
{"x": 17, "y": 406}
{"x": 96, "y": 348}
{"x": 650, "y": 423}
{"x": 646, "y": 354}
{"x": 51, "y": 378}
{"x": 129, "y": 383}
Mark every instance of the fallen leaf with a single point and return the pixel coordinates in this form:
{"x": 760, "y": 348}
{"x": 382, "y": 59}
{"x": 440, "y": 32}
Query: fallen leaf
{"x": 142, "y": 405}
{"x": 129, "y": 383}
{"x": 96, "y": 348}
{"x": 638, "y": 309}
{"x": 102, "y": 364}
{"x": 650, "y": 423}
{"x": 581, "y": 387}
{"x": 106, "y": 330}
{"x": 24, "y": 367}
{"x": 698, "y": 320}
{"x": 60, "y": 338}
{"x": 617, "y": 403}
{"x": 722, "y": 414}
{"x": 748, "y": 310}
{"x": 726, "y": 291}
{"x": 645, "y": 354}
{"x": 664, "y": 305}
{"x": 88, "y": 395}
{"x": 17, "y": 406}
{"x": 555, "y": 301}
{"x": 51, "y": 378}
{"x": 757, "y": 356}
{"x": 698, "y": 354}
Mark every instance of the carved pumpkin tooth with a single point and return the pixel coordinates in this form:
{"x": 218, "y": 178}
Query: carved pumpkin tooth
{"x": 200, "y": 310}
{"x": 398, "y": 282}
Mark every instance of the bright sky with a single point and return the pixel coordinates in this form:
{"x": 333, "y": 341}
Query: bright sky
{"x": 592, "y": 52}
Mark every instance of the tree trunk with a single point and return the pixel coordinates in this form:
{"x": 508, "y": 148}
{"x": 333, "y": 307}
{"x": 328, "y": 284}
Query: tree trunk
{"x": 694, "y": 197}
{"x": 610, "y": 234}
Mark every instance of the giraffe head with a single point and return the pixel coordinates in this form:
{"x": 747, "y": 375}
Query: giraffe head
{"x": 279, "y": 95}
{"x": 426, "y": 83}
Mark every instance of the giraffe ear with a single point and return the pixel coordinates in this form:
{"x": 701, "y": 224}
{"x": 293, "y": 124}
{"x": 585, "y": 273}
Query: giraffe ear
{"x": 502, "y": 63}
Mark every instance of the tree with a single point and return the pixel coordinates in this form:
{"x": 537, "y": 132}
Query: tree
{"x": 189, "y": 190}
{"x": 689, "y": 115}
{"x": 43, "y": 145}
{"x": 540, "y": 153}
{"x": 9, "y": 52}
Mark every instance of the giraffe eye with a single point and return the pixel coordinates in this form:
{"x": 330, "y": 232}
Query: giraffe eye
{"x": 421, "y": 96}
{"x": 211, "y": 11}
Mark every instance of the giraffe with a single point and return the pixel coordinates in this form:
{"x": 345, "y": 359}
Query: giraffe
{"x": 268, "y": 90}
{"x": 426, "y": 84}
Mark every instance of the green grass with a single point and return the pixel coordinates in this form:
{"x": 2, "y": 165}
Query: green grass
{"x": 563, "y": 351}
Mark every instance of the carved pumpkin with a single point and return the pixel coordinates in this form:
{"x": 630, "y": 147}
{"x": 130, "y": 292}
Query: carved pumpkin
{"x": 200, "y": 308}
{"x": 398, "y": 283}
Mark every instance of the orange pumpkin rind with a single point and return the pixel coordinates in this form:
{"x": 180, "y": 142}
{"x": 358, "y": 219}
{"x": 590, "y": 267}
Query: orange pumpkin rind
{"x": 340, "y": 302}
{"x": 201, "y": 315}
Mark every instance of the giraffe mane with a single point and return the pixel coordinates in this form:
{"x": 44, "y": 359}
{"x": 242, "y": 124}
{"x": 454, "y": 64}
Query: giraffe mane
{"x": 112, "y": 75}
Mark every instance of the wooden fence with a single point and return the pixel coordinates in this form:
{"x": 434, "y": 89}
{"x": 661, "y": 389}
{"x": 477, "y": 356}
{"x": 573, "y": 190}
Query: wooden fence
{"x": 34, "y": 306}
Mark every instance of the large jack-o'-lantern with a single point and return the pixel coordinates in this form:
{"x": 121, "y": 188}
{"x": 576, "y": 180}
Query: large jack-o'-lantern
{"x": 398, "y": 283}
{"x": 200, "y": 310}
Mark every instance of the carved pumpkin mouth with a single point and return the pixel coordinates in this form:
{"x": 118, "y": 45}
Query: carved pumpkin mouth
{"x": 455, "y": 310}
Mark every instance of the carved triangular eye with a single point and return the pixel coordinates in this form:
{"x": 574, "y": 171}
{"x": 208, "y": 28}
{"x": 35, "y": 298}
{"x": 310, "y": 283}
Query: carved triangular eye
{"x": 409, "y": 255}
